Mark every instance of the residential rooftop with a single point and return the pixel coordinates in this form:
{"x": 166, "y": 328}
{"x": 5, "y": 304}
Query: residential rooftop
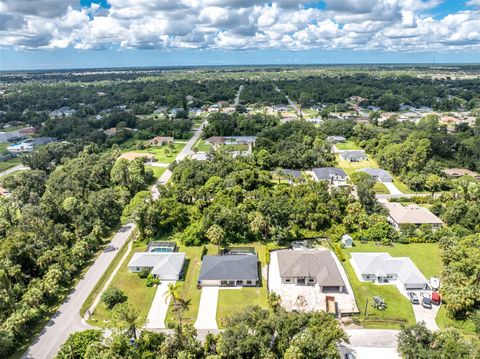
{"x": 411, "y": 213}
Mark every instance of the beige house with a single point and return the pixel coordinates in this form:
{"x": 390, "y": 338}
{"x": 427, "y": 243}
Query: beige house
{"x": 399, "y": 214}
{"x": 160, "y": 141}
{"x": 460, "y": 172}
{"x": 310, "y": 267}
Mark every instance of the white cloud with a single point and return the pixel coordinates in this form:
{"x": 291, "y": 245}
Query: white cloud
{"x": 390, "y": 25}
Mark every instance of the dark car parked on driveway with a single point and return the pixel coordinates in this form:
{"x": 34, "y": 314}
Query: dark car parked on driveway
{"x": 427, "y": 302}
{"x": 413, "y": 298}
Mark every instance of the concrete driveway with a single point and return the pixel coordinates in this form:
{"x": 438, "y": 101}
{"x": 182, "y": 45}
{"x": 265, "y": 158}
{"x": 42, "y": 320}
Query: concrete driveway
{"x": 392, "y": 188}
{"x": 207, "y": 310}
{"x": 158, "y": 310}
{"x": 371, "y": 344}
{"x": 422, "y": 314}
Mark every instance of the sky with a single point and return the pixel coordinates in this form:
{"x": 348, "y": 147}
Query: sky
{"x": 55, "y": 34}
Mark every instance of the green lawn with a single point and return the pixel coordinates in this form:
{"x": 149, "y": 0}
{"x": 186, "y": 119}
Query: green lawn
{"x": 380, "y": 188}
{"x": 349, "y": 145}
{"x": 464, "y": 326}
{"x": 231, "y": 301}
{"x": 157, "y": 171}
{"x": 138, "y": 293}
{"x": 188, "y": 290}
{"x": 159, "y": 152}
{"x": 426, "y": 256}
{"x": 351, "y": 167}
{"x": 10, "y": 163}
{"x": 202, "y": 146}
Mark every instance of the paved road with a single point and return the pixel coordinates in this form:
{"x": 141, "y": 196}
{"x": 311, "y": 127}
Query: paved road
{"x": 67, "y": 319}
{"x": 291, "y": 103}
{"x": 392, "y": 188}
{"x": 237, "y": 96}
{"x": 372, "y": 343}
{"x": 186, "y": 151}
{"x": 13, "y": 169}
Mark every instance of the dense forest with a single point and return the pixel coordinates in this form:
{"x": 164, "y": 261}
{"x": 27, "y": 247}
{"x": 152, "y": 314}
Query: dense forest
{"x": 54, "y": 221}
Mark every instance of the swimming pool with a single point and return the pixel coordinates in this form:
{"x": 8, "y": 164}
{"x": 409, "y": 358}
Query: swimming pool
{"x": 161, "y": 250}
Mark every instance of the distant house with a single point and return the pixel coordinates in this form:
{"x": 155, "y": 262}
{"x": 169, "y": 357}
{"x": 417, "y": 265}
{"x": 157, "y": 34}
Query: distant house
{"x": 229, "y": 270}
{"x": 6, "y": 137}
{"x": 161, "y": 109}
{"x": 28, "y": 131}
{"x": 130, "y": 156}
{"x": 336, "y": 139}
{"x": 4, "y": 192}
{"x": 62, "y": 111}
{"x": 460, "y": 172}
{"x": 280, "y": 108}
{"x": 228, "y": 109}
{"x": 216, "y": 141}
{"x": 288, "y": 174}
{"x": 110, "y": 131}
{"x": 331, "y": 174}
{"x": 347, "y": 241}
{"x": 160, "y": 141}
{"x": 399, "y": 214}
{"x": 175, "y": 110}
{"x": 162, "y": 265}
{"x": 353, "y": 155}
{"x": 383, "y": 268}
{"x": 378, "y": 174}
{"x": 30, "y": 144}
{"x": 310, "y": 267}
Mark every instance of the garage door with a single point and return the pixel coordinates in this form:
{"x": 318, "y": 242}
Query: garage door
{"x": 331, "y": 289}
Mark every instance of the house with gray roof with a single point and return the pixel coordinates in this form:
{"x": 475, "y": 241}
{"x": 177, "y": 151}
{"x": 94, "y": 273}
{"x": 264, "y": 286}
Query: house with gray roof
{"x": 333, "y": 175}
{"x": 353, "y": 155}
{"x": 399, "y": 214}
{"x": 378, "y": 174}
{"x": 336, "y": 139}
{"x": 310, "y": 267}
{"x": 229, "y": 270}
{"x": 383, "y": 268}
{"x": 162, "y": 265}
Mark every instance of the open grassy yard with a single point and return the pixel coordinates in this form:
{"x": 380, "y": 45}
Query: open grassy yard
{"x": 188, "y": 290}
{"x": 466, "y": 327}
{"x": 10, "y": 163}
{"x": 202, "y": 146}
{"x": 161, "y": 153}
{"x": 380, "y": 188}
{"x": 231, "y": 301}
{"x": 426, "y": 256}
{"x": 351, "y": 167}
{"x": 157, "y": 171}
{"x": 138, "y": 293}
{"x": 349, "y": 145}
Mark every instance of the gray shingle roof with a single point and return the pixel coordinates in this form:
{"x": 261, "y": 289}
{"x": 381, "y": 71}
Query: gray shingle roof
{"x": 229, "y": 267}
{"x": 381, "y": 174}
{"x": 326, "y": 173}
{"x": 353, "y": 154}
{"x": 310, "y": 263}
{"x": 162, "y": 263}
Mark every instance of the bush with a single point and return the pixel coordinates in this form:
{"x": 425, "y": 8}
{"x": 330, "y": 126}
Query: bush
{"x": 144, "y": 273}
{"x": 113, "y": 296}
{"x": 151, "y": 280}
{"x": 379, "y": 303}
{"x": 338, "y": 251}
{"x": 475, "y": 317}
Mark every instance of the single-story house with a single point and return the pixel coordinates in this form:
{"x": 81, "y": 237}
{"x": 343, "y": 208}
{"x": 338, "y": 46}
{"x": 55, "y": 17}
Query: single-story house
{"x": 383, "y": 268}
{"x": 160, "y": 140}
{"x": 330, "y": 174}
{"x": 378, "y": 174}
{"x": 310, "y": 267}
{"x": 399, "y": 214}
{"x": 216, "y": 141}
{"x": 336, "y": 139}
{"x": 30, "y": 144}
{"x": 162, "y": 265}
{"x": 130, "y": 156}
{"x": 287, "y": 174}
{"x": 347, "y": 241}
{"x": 4, "y": 192}
{"x": 353, "y": 155}
{"x": 229, "y": 270}
{"x": 10, "y": 136}
{"x": 460, "y": 172}
{"x": 280, "y": 108}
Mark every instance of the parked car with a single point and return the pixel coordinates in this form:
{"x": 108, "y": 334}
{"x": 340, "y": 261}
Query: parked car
{"x": 436, "y": 299}
{"x": 349, "y": 356}
{"x": 413, "y": 298}
{"x": 427, "y": 302}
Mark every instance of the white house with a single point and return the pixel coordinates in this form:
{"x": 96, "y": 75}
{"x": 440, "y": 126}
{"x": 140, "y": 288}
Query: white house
{"x": 383, "y": 268}
{"x": 347, "y": 241}
{"x": 335, "y": 176}
{"x": 353, "y": 155}
{"x": 163, "y": 265}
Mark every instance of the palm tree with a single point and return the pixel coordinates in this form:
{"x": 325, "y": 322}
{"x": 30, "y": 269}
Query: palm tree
{"x": 172, "y": 292}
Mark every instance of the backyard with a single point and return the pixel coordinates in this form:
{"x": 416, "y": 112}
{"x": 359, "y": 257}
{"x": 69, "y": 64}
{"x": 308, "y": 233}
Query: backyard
{"x": 202, "y": 146}
{"x": 157, "y": 171}
{"x": 349, "y": 145}
{"x": 163, "y": 154}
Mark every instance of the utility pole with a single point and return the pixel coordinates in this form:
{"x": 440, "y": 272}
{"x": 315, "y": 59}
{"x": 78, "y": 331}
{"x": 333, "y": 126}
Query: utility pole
{"x": 366, "y": 308}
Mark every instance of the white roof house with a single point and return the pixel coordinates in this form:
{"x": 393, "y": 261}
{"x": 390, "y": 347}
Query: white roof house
{"x": 378, "y": 174}
{"x": 383, "y": 268}
{"x": 163, "y": 265}
{"x": 399, "y": 214}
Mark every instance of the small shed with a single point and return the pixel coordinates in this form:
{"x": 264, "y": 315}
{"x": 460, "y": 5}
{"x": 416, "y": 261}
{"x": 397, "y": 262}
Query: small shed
{"x": 347, "y": 241}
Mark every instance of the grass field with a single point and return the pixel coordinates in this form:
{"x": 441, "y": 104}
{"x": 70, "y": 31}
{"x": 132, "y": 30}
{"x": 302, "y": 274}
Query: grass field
{"x": 188, "y": 290}
{"x": 351, "y": 167}
{"x": 10, "y": 163}
{"x": 349, "y": 145}
{"x": 231, "y": 301}
{"x": 157, "y": 171}
{"x": 138, "y": 293}
{"x": 464, "y": 326}
{"x": 380, "y": 188}
{"x": 202, "y": 146}
{"x": 159, "y": 152}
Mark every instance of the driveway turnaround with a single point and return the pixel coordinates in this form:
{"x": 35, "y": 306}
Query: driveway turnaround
{"x": 392, "y": 188}
{"x": 371, "y": 344}
{"x": 207, "y": 310}
{"x": 158, "y": 310}
{"x": 67, "y": 319}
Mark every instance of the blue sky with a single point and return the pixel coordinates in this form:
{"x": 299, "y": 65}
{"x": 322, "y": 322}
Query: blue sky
{"x": 53, "y": 34}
